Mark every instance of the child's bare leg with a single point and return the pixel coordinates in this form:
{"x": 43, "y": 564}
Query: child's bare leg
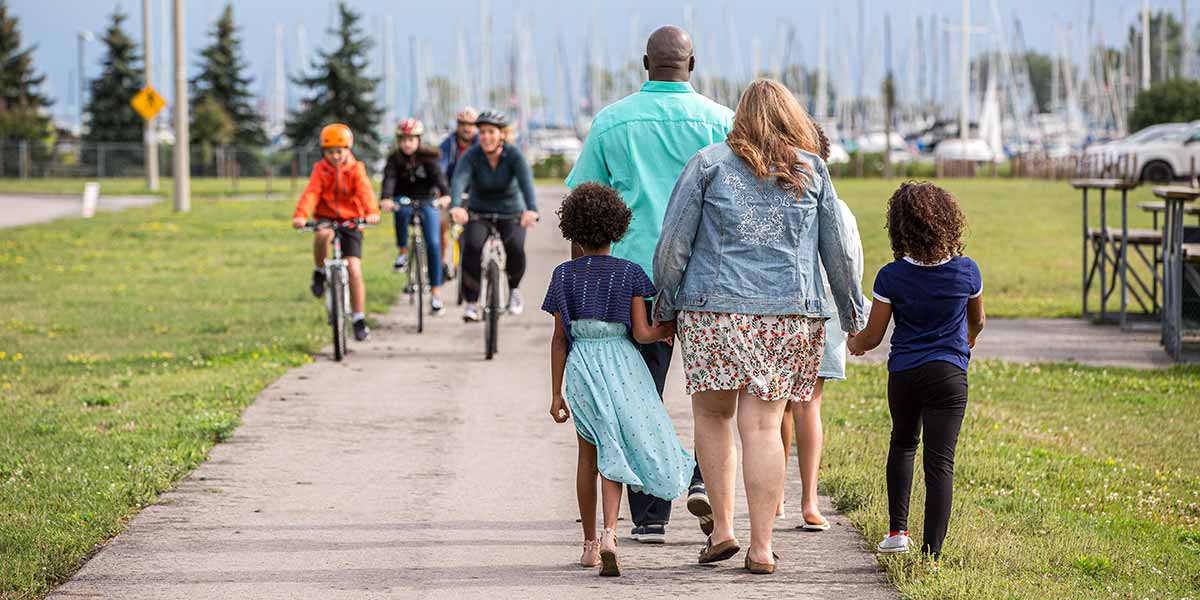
{"x": 610, "y": 491}
{"x": 358, "y": 290}
{"x": 787, "y": 430}
{"x": 585, "y": 487}
{"x": 321, "y": 240}
{"x": 809, "y": 441}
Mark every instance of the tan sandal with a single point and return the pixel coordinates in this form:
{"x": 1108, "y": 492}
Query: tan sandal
{"x": 591, "y": 554}
{"x": 609, "y": 565}
{"x": 723, "y": 551}
{"x": 761, "y": 568}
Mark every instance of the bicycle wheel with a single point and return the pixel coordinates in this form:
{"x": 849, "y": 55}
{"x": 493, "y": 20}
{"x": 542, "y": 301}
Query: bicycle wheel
{"x": 491, "y": 328}
{"x": 419, "y": 257}
{"x": 338, "y": 317}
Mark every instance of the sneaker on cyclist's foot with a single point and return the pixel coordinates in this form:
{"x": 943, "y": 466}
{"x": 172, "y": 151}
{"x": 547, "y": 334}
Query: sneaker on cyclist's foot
{"x": 318, "y": 283}
{"x": 436, "y": 307}
{"x": 361, "y": 332}
{"x": 516, "y": 304}
{"x": 471, "y": 312}
{"x": 401, "y": 262}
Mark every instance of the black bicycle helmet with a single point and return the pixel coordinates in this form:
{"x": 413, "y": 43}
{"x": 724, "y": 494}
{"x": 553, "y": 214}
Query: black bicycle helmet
{"x": 492, "y": 117}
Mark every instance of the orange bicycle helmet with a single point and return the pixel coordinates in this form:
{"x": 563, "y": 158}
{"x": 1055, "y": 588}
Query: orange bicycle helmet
{"x": 337, "y": 135}
{"x": 410, "y": 126}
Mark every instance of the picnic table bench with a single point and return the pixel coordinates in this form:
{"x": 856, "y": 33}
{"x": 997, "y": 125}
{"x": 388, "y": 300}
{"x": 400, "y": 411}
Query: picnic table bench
{"x": 1181, "y": 263}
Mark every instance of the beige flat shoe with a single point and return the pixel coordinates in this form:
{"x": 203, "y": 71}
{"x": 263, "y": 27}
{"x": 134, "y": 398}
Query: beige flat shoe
{"x": 591, "y": 554}
{"x": 609, "y": 565}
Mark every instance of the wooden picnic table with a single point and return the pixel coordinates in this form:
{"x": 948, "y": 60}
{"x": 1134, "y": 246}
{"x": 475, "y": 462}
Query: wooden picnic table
{"x": 1102, "y": 242}
{"x": 1179, "y": 264}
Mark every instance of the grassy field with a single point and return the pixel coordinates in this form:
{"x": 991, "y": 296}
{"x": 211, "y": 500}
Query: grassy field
{"x": 1070, "y": 483}
{"x": 202, "y": 187}
{"x": 129, "y": 344}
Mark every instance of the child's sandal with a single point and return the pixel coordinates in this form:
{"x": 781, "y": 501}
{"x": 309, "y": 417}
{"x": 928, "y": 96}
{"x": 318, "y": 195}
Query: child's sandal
{"x": 591, "y": 554}
{"x": 609, "y": 565}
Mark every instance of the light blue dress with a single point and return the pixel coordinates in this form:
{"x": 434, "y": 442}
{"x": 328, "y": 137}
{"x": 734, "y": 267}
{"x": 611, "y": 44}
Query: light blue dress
{"x": 616, "y": 408}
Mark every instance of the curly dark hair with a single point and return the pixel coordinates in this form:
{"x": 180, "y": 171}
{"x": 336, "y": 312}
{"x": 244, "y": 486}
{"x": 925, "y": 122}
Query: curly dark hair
{"x": 925, "y": 222}
{"x": 593, "y": 216}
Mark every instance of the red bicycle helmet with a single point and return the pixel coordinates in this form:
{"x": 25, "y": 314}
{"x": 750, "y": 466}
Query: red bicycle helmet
{"x": 410, "y": 126}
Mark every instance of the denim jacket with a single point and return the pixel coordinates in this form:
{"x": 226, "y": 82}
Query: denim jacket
{"x": 734, "y": 243}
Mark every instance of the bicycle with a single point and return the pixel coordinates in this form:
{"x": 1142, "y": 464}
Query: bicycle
{"x": 418, "y": 264}
{"x": 337, "y": 281}
{"x": 492, "y": 259}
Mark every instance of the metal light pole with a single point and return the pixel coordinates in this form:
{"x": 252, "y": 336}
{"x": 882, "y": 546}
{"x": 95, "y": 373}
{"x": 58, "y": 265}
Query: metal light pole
{"x": 1145, "y": 44}
{"x": 84, "y": 37}
{"x": 183, "y": 200}
{"x": 151, "y": 136}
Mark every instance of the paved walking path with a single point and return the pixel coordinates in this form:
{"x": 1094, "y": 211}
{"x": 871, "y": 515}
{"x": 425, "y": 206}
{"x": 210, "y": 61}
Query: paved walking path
{"x": 26, "y": 209}
{"x": 416, "y": 469}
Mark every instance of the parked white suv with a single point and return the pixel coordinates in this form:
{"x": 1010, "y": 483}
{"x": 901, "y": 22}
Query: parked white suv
{"x": 1163, "y": 152}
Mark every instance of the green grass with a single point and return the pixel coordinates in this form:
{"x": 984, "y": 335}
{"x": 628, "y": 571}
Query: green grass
{"x": 1070, "y": 483}
{"x": 129, "y": 345}
{"x": 202, "y": 187}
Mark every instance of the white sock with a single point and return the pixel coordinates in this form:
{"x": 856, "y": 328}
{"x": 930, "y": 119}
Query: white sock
{"x": 358, "y": 316}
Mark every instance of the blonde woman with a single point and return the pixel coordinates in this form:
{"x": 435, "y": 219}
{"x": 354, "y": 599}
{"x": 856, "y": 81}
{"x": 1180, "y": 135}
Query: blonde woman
{"x": 748, "y": 226}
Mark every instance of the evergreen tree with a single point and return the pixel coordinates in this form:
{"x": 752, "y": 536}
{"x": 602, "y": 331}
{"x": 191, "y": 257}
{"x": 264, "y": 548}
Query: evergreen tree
{"x": 21, "y": 101}
{"x": 222, "y": 78}
{"x": 110, "y": 117}
{"x": 341, "y": 91}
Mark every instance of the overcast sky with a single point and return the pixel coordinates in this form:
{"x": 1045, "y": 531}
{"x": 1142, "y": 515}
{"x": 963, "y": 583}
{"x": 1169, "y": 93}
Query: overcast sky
{"x": 52, "y": 25}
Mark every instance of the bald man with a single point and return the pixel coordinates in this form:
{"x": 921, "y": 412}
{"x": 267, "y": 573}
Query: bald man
{"x": 639, "y": 145}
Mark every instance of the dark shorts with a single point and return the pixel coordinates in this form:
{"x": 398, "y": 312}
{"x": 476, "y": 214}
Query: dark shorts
{"x": 351, "y": 241}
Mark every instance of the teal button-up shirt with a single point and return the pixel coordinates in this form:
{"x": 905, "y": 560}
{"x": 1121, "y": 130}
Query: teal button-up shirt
{"x": 639, "y": 146}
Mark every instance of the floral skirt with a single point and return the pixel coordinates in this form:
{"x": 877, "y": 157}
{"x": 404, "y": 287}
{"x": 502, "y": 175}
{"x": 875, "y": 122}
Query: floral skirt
{"x": 772, "y": 357}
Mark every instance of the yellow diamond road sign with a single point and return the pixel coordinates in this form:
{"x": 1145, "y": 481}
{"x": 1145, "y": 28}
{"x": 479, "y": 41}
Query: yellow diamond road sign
{"x": 147, "y": 103}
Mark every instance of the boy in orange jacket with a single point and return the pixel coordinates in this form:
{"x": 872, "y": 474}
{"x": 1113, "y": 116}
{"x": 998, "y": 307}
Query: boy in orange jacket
{"x": 338, "y": 191}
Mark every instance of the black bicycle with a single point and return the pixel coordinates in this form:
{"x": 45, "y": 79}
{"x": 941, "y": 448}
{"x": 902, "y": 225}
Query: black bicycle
{"x": 337, "y": 281}
{"x": 418, "y": 264}
{"x": 492, "y": 260}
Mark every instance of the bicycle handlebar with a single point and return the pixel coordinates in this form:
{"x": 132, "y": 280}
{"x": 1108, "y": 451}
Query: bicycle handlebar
{"x": 350, "y": 224}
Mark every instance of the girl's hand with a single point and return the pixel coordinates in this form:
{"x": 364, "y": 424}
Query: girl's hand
{"x": 852, "y": 345}
{"x": 444, "y": 201}
{"x": 664, "y": 332}
{"x": 459, "y": 215}
{"x": 299, "y": 222}
{"x": 373, "y": 219}
{"x": 971, "y": 342}
{"x": 558, "y": 409}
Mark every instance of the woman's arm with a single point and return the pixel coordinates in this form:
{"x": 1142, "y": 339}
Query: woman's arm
{"x": 869, "y": 338}
{"x": 975, "y": 319}
{"x": 558, "y": 364}
{"x": 837, "y": 255}
{"x": 643, "y": 332}
{"x": 525, "y": 181}
{"x": 461, "y": 179}
{"x": 680, "y": 224}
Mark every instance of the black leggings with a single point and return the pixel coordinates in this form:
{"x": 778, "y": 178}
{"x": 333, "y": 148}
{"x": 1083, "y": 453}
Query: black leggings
{"x": 932, "y": 396}
{"x": 474, "y": 235}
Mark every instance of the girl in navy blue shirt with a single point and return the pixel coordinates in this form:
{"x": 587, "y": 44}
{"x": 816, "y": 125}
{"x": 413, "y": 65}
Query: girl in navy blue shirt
{"x": 935, "y": 296}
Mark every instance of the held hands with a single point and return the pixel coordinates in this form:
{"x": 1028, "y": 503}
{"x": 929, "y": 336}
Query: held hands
{"x": 854, "y": 344}
{"x": 664, "y": 332}
{"x": 299, "y": 222}
{"x": 529, "y": 219}
{"x": 459, "y": 215}
{"x": 558, "y": 409}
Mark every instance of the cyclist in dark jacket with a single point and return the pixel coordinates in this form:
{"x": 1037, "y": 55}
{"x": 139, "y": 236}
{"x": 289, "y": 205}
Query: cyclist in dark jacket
{"x": 414, "y": 179}
{"x": 501, "y": 185}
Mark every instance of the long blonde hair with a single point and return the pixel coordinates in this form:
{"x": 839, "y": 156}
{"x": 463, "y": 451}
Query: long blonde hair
{"x": 768, "y": 127}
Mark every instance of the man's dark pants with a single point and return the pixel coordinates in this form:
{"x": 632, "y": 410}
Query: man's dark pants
{"x": 646, "y": 509}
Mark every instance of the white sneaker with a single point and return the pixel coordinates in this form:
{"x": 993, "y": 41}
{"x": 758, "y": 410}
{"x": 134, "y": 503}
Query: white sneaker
{"x": 436, "y": 307}
{"x": 471, "y": 312}
{"x": 516, "y": 304}
{"x": 894, "y": 544}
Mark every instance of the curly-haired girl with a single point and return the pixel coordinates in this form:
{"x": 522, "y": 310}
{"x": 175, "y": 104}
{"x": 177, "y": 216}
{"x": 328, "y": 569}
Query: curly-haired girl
{"x": 623, "y": 430}
{"x": 935, "y": 296}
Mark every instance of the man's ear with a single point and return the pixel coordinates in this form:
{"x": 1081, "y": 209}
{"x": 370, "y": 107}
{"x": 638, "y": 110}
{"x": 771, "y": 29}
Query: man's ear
{"x": 691, "y": 64}
{"x": 646, "y": 61}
